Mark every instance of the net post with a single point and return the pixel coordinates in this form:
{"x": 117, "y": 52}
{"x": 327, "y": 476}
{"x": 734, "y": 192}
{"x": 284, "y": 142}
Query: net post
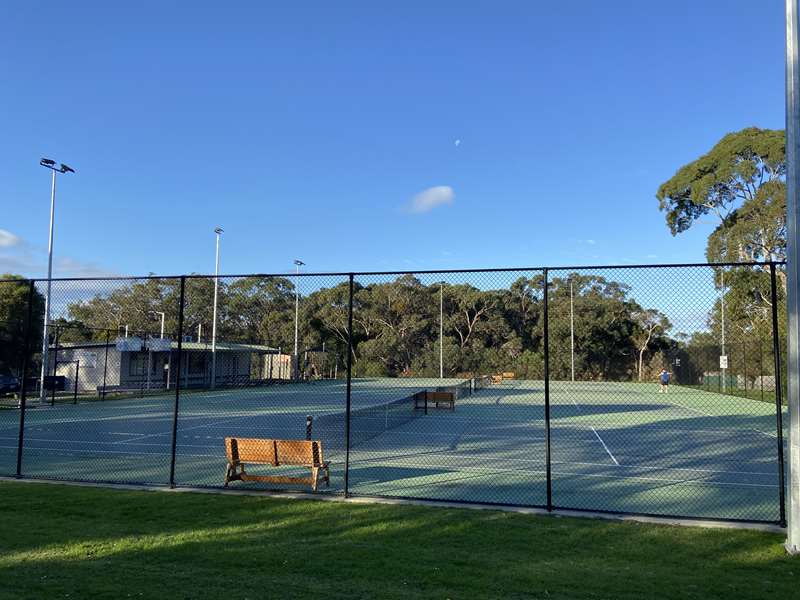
{"x": 776, "y": 350}
{"x": 177, "y": 384}
{"x": 546, "y": 342}
{"x": 349, "y": 387}
{"x": 23, "y": 388}
{"x": 309, "y": 426}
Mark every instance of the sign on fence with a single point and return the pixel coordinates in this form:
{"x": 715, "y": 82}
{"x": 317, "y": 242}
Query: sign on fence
{"x": 723, "y": 361}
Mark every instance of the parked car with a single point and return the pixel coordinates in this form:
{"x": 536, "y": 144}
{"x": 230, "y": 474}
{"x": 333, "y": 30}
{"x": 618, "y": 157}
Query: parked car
{"x": 8, "y": 384}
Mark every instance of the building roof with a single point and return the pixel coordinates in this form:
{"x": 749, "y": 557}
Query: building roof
{"x": 186, "y": 346}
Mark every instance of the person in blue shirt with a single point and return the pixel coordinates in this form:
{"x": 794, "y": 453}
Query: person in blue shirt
{"x": 663, "y": 378}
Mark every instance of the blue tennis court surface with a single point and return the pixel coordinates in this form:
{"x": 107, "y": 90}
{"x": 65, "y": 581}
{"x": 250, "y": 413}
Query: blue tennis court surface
{"x": 615, "y": 446}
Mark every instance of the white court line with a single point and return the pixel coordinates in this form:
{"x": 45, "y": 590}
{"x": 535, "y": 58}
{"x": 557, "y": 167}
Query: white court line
{"x": 181, "y": 430}
{"x": 459, "y": 458}
{"x": 460, "y": 469}
{"x": 604, "y": 445}
{"x": 705, "y": 414}
{"x": 597, "y": 434}
{"x": 456, "y": 458}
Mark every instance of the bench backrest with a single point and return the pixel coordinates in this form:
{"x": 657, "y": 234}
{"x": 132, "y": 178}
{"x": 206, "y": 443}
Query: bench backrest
{"x": 307, "y": 453}
{"x": 508, "y": 375}
{"x": 440, "y": 397}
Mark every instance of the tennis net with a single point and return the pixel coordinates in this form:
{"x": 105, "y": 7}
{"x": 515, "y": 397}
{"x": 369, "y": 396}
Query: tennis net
{"x": 365, "y": 423}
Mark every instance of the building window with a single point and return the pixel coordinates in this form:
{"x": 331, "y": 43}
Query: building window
{"x": 197, "y": 363}
{"x": 137, "y": 365}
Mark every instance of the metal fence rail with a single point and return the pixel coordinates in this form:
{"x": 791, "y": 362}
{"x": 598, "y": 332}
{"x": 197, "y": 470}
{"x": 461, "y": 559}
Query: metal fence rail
{"x": 628, "y": 389}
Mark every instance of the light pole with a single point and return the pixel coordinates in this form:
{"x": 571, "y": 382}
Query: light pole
{"x": 297, "y": 263}
{"x": 792, "y": 264}
{"x": 158, "y": 312}
{"x": 441, "y": 329}
{"x": 62, "y": 168}
{"x": 218, "y": 231}
{"x": 150, "y": 350}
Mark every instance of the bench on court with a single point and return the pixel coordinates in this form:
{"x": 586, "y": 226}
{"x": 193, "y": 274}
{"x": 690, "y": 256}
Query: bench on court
{"x": 276, "y": 453}
{"x": 497, "y": 379}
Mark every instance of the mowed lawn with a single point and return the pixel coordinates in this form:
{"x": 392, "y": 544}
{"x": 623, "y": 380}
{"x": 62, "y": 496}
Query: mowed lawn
{"x": 78, "y": 542}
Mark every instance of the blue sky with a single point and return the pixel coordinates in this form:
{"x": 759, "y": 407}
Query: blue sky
{"x": 317, "y": 130}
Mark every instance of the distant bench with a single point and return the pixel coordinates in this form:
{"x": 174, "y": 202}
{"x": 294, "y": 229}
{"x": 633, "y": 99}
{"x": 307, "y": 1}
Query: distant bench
{"x": 435, "y": 399}
{"x": 276, "y": 453}
{"x": 501, "y": 377}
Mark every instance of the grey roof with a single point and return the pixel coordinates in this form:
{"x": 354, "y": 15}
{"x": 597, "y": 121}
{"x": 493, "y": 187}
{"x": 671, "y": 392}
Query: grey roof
{"x": 187, "y": 346}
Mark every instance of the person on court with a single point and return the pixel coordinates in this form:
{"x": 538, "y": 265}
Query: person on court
{"x": 663, "y": 379}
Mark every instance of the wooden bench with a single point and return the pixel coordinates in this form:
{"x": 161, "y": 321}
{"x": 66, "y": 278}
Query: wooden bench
{"x": 507, "y": 375}
{"x": 277, "y": 453}
{"x": 426, "y": 400}
{"x": 497, "y": 379}
{"x": 447, "y": 399}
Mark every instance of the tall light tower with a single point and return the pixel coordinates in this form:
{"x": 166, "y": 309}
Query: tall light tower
{"x": 62, "y": 168}
{"x": 297, "y": 263}
{"x": 792, "y": 265}
{"x": 218, "y": 231}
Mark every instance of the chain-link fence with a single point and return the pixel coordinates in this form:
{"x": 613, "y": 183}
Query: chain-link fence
{"x": 646, "y": 390}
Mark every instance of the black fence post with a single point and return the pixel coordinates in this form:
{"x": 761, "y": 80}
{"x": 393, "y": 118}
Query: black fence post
{"x": 546, "y": 342}
{"x": 761, "y": 366}
{"x": 744, "y": 367}
{"x": 776, "y": 350}
{"x": 105, "y": 364}
{"x": 349, "y": 390}
{"x": 23, "y": 389}
{"x": 77, "y": 375}
{"x": 177, "y": 384}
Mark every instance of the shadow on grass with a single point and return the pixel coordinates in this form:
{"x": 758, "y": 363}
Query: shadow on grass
{"x": 58, "y": 540}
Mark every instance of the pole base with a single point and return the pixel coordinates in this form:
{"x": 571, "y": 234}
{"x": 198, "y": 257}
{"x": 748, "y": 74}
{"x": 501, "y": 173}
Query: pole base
{"x": 792, "y": 549}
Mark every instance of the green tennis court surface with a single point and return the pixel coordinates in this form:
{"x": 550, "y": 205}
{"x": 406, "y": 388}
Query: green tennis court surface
{"x": 615, "y": 446}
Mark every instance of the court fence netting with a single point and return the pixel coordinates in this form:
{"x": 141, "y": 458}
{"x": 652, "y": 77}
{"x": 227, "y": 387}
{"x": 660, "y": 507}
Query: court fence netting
{"x": 648, "y": 390}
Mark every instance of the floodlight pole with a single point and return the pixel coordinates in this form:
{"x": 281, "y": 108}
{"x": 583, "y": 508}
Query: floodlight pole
{"x": 49, "y": 164}
{"x": 441, "y": 330}
{"x": 572, "y": 328}
{"x": 792, "y": 265}
{"x": 296, "y": 366}
{"x": 723, "y": 372}
{"x": 158, "y": 312}
{"x": 218, "y": 231}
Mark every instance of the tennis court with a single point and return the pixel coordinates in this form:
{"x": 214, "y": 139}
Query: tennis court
{"x": 614, "y": 446}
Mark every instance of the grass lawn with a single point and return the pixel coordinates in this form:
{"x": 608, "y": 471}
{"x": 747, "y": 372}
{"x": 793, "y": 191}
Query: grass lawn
{"x": 62, "y": 541}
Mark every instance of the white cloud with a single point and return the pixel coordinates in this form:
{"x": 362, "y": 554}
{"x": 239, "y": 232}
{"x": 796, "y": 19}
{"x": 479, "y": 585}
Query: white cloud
{"x": 591, "y": 242}
{"x": 429, "y": 199}
{"x": 8, "y": 239}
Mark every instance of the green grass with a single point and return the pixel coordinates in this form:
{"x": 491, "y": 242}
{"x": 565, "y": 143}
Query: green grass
{"x": 62, "y": 541}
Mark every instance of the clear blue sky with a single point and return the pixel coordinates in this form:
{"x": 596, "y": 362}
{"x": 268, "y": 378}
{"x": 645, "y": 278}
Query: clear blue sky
{"x": 307, "y": 130}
